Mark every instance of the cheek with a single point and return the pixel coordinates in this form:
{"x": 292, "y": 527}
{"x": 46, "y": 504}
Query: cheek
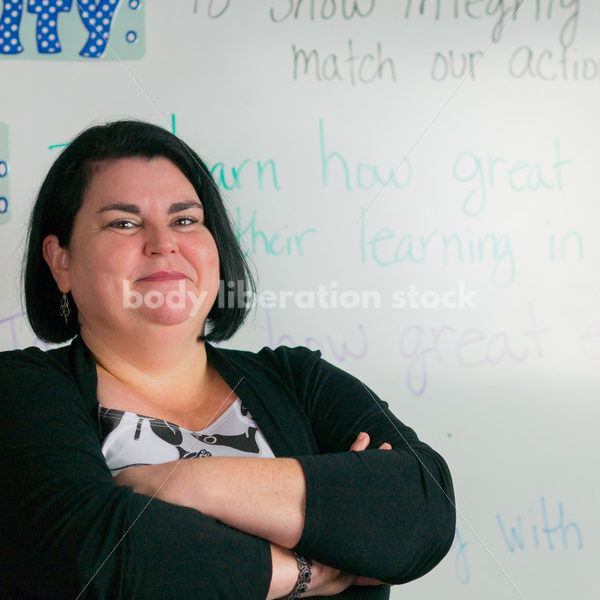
{"x": 207, "y": 256}
{"x": 208, "y": 270}
{"x": 214, "y": 256}
{"x": 99, "y": 269}
{"x": 210, "y": 274}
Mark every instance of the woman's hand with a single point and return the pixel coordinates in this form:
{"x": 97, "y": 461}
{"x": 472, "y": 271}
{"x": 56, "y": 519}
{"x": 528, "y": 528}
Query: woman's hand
{"x": 362, "y": 443}
{"x": 327, "y": 581}
{"x": 324, "y": 581}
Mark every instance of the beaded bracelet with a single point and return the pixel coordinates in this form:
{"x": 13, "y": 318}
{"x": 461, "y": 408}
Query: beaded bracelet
{"x": 304, "y": 574}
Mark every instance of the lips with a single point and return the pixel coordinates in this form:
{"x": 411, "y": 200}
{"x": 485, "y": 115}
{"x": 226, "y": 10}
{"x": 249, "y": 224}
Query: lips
{"x": 163, "y": 276}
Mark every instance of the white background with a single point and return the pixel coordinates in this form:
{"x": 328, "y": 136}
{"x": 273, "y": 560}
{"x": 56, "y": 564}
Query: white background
{"x": 514, "y": 411}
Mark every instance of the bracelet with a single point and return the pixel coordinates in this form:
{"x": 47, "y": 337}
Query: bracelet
{"x": 304, "y": 574}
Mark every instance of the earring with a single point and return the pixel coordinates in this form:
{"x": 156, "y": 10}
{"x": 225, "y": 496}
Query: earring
{"x": 64, "y": 311}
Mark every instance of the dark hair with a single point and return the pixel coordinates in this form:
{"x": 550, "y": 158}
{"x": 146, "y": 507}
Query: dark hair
{"x": 60, "y": 198}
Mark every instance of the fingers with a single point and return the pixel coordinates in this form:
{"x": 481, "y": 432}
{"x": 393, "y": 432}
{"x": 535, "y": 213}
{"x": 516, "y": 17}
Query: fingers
{"x": 362, "y": 442}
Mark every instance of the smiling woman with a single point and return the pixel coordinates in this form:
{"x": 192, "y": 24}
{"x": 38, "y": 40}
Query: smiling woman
{"x": 150, "y": 239}
{"x": 129, "y": 244}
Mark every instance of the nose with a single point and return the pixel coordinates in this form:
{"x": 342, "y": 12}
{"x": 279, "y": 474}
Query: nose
{"x": 159, "y": 240}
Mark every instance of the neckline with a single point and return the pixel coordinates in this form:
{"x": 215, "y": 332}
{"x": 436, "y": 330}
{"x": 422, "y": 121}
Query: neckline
{"x": 133, "y": 416}
{"x": 241, "y": 369}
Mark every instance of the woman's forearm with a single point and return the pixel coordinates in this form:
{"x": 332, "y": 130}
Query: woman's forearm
{"x": 284, "y": 572}
{"x": 265, "y": 497}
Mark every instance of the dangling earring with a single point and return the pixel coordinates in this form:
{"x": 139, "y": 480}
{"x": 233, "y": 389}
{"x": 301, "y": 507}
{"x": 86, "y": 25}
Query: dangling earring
{"x": 64, "y": 311}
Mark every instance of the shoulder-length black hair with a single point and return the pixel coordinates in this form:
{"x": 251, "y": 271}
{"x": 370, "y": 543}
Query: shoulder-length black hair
{"x": 60, "y": 198}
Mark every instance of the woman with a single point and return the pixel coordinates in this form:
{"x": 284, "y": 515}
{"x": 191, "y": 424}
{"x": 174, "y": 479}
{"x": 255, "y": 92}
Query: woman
{"x": 128, "y": 246}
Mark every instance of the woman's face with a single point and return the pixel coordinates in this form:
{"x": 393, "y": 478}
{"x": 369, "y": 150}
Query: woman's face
{"x": 139, "y": 252}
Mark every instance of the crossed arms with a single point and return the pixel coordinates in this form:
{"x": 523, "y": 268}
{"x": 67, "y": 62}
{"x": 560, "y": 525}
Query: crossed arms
{"x": 262, "y": 497}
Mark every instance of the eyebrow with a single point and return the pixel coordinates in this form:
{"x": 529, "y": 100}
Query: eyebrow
{"x": 135, "y": 209}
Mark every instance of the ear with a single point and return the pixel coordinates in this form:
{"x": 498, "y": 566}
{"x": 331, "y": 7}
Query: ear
{"x": 57, "y": 258}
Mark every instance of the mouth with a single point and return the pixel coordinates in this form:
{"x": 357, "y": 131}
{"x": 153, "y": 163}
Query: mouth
{"x": 163, "y": 276}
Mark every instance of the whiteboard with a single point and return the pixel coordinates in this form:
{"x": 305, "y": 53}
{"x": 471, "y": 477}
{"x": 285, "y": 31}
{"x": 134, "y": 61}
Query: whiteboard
{"x": 434, "y": 162}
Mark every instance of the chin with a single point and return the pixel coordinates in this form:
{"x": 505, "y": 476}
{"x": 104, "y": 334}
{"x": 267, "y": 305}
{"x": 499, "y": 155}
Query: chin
{"x": 170, "y": 316}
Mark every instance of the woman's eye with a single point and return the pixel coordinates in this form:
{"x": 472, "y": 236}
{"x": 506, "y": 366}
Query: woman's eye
{"x": 122, "y": 224}
{"x": 126, "y": 224}
{"x": 185, "y": 221}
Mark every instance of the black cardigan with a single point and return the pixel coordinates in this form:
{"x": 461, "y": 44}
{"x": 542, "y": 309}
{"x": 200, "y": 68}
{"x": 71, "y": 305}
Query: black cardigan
{"x": 66, "y": 526}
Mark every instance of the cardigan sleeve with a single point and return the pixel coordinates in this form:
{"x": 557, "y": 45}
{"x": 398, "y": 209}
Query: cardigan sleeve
{"x": 387, "y": 514}
{"x": 65, "y": 526}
